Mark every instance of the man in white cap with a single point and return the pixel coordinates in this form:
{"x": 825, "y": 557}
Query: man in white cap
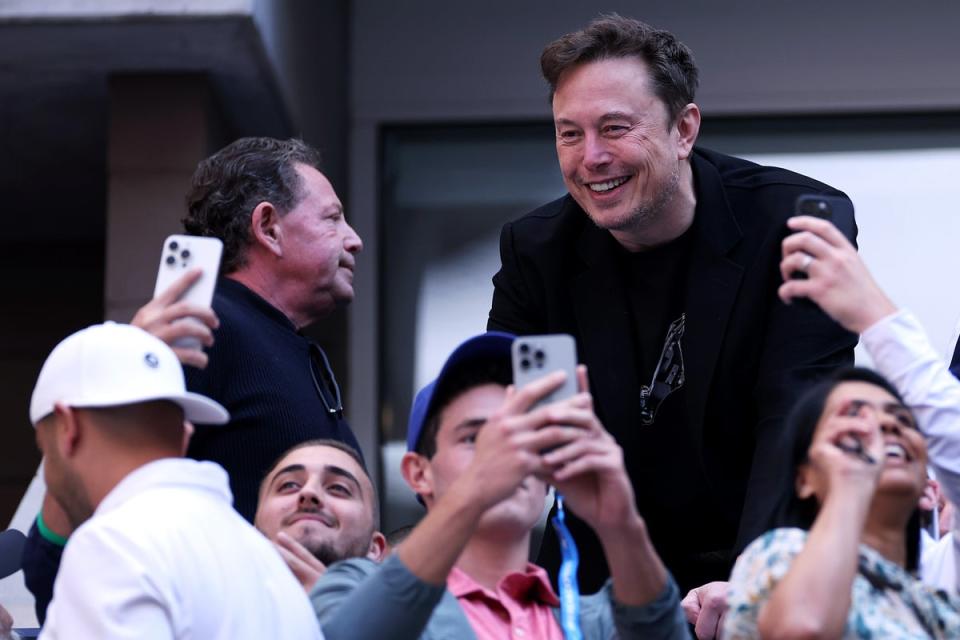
{"x": 157, "y": 551}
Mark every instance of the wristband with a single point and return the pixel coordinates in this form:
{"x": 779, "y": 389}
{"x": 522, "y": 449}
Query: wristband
{"x": 47, "y": 534}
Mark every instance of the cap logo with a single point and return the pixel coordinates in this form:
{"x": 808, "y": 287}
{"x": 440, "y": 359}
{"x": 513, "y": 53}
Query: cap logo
{"x": 152, "y": 361}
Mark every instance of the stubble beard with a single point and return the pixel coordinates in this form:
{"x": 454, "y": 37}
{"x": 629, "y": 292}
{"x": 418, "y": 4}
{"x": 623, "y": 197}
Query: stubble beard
{"x": 646, "y": 214}
{"x": 329, "y": 552}
{"x": 73, "y": 499}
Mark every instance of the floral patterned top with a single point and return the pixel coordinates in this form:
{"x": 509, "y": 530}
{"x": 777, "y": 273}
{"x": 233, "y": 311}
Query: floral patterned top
{"x": 886, "y": 601}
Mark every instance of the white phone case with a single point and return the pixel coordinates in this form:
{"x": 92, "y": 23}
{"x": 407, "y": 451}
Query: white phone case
{"x": 536, "y": 356}
{"x": 180, "y": 253}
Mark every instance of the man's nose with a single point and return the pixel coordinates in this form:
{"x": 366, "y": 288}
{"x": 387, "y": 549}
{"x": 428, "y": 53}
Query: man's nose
{"x": 889, "y": 424}
{"x": 596, "y": 152}
{"x": 352, "y": 241}
{"x": 308, "y": 497}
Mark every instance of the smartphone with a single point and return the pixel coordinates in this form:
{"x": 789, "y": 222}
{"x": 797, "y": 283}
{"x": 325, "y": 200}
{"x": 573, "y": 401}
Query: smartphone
{"x": 536, "y": 356}
{"x": 181, "y": 253}
{"x": 837, "y": 210}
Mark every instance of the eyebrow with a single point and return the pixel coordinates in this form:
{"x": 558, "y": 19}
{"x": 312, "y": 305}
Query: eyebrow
{"x": 900, "y": 408}
{"x": 890, "y": 407}
{"x": 616, "y": 115}
{"x": 470, "y": 423}
{"x": 327, "y": 468}
{"x": 290, "y": 468}
{"x": 610, "y": 115}
{"x": 343, "y": 473}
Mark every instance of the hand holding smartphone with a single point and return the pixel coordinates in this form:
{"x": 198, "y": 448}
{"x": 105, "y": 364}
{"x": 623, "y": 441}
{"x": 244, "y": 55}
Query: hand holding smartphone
{"x": 837, "y": 210}
{"x": 536, "y": 356}
{"x": 180, "y": 254}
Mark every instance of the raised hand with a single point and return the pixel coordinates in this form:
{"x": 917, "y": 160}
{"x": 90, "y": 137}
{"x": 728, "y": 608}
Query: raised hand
{"x": 170, "y": 320}
{"x": 304, "y": 564}
{"x": 849, "y": 448}
{"x": 510, "y": 445}
{"x": 589, "y": 471}
{"x": 837, "y": 279}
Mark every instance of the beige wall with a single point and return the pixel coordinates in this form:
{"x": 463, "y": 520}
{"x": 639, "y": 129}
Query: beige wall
{"x": 160, "y": 128}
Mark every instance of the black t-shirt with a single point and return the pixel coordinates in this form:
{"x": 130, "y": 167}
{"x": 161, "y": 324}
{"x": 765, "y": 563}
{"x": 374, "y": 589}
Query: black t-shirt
{"x": 670, "y": 480}
{"x": 656, "y": 282}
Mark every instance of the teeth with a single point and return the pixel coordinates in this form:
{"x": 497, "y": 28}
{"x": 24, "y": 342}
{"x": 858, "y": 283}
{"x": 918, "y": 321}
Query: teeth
{"x": 893, "y": 450}
{"x": 600, "y": 187}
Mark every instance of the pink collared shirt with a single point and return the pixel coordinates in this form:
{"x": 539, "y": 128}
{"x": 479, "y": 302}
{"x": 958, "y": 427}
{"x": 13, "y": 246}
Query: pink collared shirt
{"x": 520, "y": 609}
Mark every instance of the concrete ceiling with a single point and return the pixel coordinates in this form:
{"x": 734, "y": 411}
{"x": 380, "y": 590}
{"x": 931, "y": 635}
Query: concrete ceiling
{"x": 54, "y": 107}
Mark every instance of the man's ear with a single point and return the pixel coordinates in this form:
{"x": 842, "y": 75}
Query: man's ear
{"x": 188, "y": 431}
{"x": 265, "y": 228}
{"x": 418, "y": 474}
{"x": 688, "y": 128}
{"x": 68, "y": 429}
{"x": 378, "y": 547}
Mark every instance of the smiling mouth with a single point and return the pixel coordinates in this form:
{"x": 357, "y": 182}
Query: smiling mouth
{"x": 312, "y": 516}
{"x": 607, "y": 186}
{"x": 896, "y": 451}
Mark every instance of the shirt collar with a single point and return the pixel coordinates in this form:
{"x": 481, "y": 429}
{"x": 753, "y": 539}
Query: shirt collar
{"x": 168, "y": 472}
{"x": 242, "y": 294}
{"x": 530, "y": 585}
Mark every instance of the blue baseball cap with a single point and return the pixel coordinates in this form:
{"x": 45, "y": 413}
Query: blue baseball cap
{"x": 492, "y": 345}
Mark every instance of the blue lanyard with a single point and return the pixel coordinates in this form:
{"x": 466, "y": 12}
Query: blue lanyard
{"x": 569, "y": 587}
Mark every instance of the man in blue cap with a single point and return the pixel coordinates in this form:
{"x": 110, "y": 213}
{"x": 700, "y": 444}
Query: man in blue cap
{"x": 480, "y": 457}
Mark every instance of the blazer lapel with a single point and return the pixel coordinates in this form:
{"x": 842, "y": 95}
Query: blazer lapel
{"x": 713, "y": 280}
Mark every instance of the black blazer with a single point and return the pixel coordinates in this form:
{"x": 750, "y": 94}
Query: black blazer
{"x": 747, "y": 355}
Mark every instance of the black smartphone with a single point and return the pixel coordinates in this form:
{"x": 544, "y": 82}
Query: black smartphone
{"x": 837, "y": 210}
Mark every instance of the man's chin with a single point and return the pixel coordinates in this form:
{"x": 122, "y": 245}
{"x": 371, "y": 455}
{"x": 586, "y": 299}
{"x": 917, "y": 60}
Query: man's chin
{"x": 343, "y": 295}
{"x": 517, "y": 515}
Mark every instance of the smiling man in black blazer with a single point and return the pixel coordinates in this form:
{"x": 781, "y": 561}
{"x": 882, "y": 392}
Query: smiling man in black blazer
{"x": 663, "y": 263}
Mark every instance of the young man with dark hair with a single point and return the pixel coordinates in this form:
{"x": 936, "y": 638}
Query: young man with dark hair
{"x": 662, "y": 263}
{"x": 317, "y": 505}
{"x": 288, "y": 261}
{"x": 480, "y": 457}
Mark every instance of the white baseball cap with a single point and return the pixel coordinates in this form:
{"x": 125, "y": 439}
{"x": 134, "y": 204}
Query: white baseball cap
{"x": 112, "y": 364}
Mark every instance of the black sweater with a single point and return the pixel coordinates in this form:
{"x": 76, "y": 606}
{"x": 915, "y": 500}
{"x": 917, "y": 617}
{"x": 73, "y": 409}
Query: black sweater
{"x": 259, "y": 370}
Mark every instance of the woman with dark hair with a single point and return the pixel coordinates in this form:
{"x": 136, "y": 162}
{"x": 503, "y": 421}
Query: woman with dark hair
{"x": 846, "y": 567}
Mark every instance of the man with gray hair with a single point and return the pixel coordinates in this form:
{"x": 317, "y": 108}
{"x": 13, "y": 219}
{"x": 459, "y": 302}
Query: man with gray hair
{"x": 157, "y": 550}
{"x": 288, "y": 260}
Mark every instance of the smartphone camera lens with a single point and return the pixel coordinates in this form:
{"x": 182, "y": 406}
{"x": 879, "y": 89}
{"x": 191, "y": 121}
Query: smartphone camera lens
{"x": 171, "y": 260}
{"x": 818, "y": 208}
{"x": 185, "y": 254}
{"x": 524, "y": 364}
{"x": 538, "y": 356}
{"x": 524, "y": 348}
{"x": 173, "y": 245}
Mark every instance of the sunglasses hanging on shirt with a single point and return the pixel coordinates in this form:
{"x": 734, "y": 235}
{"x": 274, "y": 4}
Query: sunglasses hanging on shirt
{"x": 325, "y": 384}
{"x": 668, "y": 376}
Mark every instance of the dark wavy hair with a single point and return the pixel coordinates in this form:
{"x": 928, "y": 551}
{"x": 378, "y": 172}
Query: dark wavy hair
{"x": 800, "y": 425}
{"x": 228, "y": 186}
{"x": 673, "y": 73}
